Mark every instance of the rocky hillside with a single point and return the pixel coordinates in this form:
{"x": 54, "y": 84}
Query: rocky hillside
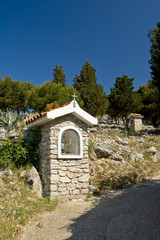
{"x": 118, "y": 159}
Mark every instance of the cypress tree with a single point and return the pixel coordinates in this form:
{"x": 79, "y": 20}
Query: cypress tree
{"x": 59, "y": 75}
{"x": 122, "y": 98}
{"x": 154, "y": 36}
{"x": 91, "y": 93}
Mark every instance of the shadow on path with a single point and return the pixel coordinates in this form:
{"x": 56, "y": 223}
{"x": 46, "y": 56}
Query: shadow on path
{"x": 130, "y": 214}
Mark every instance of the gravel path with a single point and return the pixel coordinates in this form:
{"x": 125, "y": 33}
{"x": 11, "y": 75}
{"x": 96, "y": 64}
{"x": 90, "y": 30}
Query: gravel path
{"x": 129, "y": 214}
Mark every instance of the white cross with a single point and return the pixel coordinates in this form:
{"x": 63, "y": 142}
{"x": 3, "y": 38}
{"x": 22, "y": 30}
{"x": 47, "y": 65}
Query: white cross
{"x": 74, "y": 103}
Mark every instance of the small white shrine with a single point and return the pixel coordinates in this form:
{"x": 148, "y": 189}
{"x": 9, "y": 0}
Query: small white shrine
{"x": 64, "y": 163}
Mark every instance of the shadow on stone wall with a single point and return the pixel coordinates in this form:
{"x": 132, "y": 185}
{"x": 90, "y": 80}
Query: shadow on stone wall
{"x": 130, "y": 214}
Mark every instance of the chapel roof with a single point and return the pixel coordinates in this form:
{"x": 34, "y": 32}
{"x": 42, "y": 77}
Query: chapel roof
{"x": 40, "y": 115}
{"x": 135, "y": 115}
{"x": 71, "y": 108}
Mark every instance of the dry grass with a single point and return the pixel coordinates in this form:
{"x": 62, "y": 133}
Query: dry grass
{"x": 17, "y": 205}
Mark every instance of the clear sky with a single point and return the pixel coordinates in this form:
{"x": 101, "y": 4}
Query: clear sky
{"x": 35, "y": 35}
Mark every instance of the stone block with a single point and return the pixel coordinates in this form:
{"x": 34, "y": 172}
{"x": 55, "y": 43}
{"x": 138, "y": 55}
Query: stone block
{"x": 86, "y": 170}
{"x": 53, "y": 188}
{"x": 55, "y": 178}
{"x": 84, "y": 178}
{"x": 65, "y": 193}
{"x": 73, "y": 169}
{"x": 76, "y": 192}
{"x": 54, "y": 151}
{"x": 72, "y": 163}
{"x": 54, "y": 172}
{"x": 74, "y": 180}
{"x": 84, "y": 185}
{"x": 84, "y": 166}
{"x": 63, "y": 168}
{"x": 64, "y": 164}
{"x": 71, "y": 186}
{"x": 62, "y": 189}
{"x": 62, "y": 173}
{"x": 56, "y": 167}
{"x": 71, "y": 174}
{"x": 61, "y": 185}
{"x": 65, "y": 180}
{"x": 84, "y": 191}
{"x": 54, "y": 162}
{"x": 53, "y": 147}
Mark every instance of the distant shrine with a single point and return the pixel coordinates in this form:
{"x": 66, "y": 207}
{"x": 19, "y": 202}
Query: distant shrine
{"x": 135, "y": 122}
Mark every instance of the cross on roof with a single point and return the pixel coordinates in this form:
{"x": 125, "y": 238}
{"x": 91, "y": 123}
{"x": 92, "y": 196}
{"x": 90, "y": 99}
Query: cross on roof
{"x": 74, "y": 103}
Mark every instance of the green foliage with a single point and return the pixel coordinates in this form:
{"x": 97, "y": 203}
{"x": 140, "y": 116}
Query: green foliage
{"x": 20, "y": 152}
{"x": 91, "y": 146}
{"x": 154, "y": 36}
{"x": 49, "y": 92}
{"x": 95, "y": 100}
{"x": 122, "y": 99}
{"x": 21, "y": 90}
{"x": 14, "y": 94}
{"x": 59, "y": 75}
{"x": 149, "y": 95}
{"x": 12, "y": 152}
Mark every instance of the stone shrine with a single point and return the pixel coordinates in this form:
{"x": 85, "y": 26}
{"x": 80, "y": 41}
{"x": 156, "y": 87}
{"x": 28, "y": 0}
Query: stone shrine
{"x": 64, "y": 163}
{"x": 135, "y": 122}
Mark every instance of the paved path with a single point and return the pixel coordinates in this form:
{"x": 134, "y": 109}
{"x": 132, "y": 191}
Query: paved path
{"x": 130, "y": 214}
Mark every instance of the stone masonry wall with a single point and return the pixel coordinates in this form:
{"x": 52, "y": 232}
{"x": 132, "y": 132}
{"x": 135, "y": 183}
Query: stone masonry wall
{"x": 63, "y": 177}
{"x": 137, "y": 125}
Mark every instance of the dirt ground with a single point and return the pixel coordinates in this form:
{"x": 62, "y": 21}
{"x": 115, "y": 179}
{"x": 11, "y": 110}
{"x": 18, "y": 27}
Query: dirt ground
{"x": 126, "y": 214}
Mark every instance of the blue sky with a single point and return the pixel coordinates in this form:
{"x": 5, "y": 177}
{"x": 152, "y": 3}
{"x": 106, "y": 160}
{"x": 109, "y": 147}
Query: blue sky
{"x": 112, "y": 35}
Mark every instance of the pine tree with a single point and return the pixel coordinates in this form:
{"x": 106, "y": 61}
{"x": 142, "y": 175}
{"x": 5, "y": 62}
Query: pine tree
{"x": 59, "y": 75}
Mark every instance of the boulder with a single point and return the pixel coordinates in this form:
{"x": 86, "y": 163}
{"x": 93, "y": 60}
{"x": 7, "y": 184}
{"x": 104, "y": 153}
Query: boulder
{"x": 93, "y": 129}
{"x": 92, "y": 188}
{"x": 112, "y": 162}
{"x": 133, "y": 157}
{"x": 156, "y": 156}
{"x": 126, "y": 150}
{"x": 151, "y": 150}
{"x": 139, "y": 156}
{"x": 103, "y": 152}
{"x": 34, "y": 181}
{"x": 136, "y": 156}
{"x": 120, "y": 141}
{"x": 6, "y": 172}
{"x": 117, "y": 157}
{"x": 141, "y": 140}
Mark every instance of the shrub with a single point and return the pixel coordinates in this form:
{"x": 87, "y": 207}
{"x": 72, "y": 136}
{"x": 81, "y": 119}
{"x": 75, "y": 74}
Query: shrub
{"x": 20, "y": 152}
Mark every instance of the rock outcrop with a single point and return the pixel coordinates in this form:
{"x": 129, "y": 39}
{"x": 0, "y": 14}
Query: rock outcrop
{"x": 115, "y": 155}
{"x": 34, "y": 181}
